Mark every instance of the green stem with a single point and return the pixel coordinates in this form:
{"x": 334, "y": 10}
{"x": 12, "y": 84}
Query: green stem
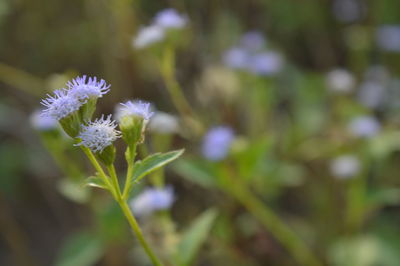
{"x": 115, "y": 189}
{"x": 136, "y": 229}
{"x": 130, "y": 158}
{"x": 173, "y": 87}
{"x": 275, "y": 226}
{"x": 114, "y": 180}
{"x": 99, "y": 169}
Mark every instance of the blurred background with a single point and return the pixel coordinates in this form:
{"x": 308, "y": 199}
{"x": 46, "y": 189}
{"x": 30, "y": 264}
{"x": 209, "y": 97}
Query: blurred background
{"x": 287, "y": 107}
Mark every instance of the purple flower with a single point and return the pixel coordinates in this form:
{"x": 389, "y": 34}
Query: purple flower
{"x": 170, "y": 19}
{"x": 60, "y": 105}
{"x": 236, "y": 58}
{"x": 364, "y": 126}
{"x": 99, "y": 134}
{"x": 42, "y": 123}
{"x": 252, "y": 40}
{"x": 83, "y": 88}
{"x": 217, "y": 142}
{"x": 151, "y": 200}
{"x": 388, "y": 38}
{"x": 348, "y": 10}
{"x": 372, "y": 94}
{"x": 266, "y": 63}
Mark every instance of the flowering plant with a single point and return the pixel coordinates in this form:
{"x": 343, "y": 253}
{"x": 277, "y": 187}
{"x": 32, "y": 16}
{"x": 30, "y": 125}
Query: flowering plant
{"x": 73, "y": 109}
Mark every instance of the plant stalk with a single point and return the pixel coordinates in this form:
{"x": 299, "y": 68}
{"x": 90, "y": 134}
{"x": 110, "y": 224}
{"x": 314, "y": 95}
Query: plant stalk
{"x": 275, "y": 226}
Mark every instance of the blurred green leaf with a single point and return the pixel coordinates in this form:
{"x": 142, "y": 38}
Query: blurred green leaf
{"x": 73, "y": 190}
{"x": 195, "y": 236}
{"x": 152, "y": 163}
{"x": 367, "y": 250}
{"x": 81, "y": 249}
{"x": 382, "y": 197}
{"x": 95, "y": 181}
{"x": 197, "y": 172}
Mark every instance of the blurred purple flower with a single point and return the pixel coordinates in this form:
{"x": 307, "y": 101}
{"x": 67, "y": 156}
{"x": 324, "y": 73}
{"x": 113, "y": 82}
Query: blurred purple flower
{"x": 236, "y": 58}
{"x": 388, "y": 38}
{"x": 151, "y": 200}
{"x": 170, "y": 19}
{"x": 266, "y": 63}
{"x": 348, "y": 10}
{"x": 42, "y": 123}
{"x": 252, "y": 40}
{"x": 372, "y": 94}
{"x": 217, "y": 142}
{"x": 364, "y": 126}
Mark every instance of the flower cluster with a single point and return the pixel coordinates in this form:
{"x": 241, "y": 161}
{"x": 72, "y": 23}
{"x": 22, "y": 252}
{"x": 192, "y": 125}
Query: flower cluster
{"x": 165, "y": 20}
{"x": 250, "y": 56}
{"x": 99, "y": 134}
{"x": 66, "y": 101}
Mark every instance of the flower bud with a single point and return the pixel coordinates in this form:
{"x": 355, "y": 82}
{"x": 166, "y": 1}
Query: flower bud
{"x": 133, "y": 118}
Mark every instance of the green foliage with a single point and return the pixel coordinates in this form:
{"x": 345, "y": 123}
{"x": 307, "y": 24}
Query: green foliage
{"x": 95, "y": 181}
{"x": 80, "y": 249}
{"x": 152, "y": 163}
{"x": 194, "y": 237}
{"x": 197, "y": 171}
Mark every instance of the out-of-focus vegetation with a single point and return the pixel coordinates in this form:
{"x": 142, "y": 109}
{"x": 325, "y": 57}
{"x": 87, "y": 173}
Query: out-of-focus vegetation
{"x": 288, "y": 111}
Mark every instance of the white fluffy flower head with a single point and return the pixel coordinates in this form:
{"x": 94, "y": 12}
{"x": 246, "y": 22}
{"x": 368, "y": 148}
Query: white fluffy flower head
{"x": 136, "y": 108}
{"x": 99, "y": 134}
{"x": 345, "y": 166}
{"x": 60, "y": 105}
{"x": 148, "y": 36}
{"x": 340, "y": 80}
{"x": 83, "y": 88}
{"x": 164, "y": 123}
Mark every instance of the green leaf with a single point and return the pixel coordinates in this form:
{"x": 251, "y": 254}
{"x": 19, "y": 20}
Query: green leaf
{"x": 81, "y": 249}
{"x": 95, "y": 181}
{"x": 152, "y": 163}
{"x": 195, "y": 236}
{"x": 73, "y": 190}
{"x": 381, "y": 197}
{"x": 197, "y": 172}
